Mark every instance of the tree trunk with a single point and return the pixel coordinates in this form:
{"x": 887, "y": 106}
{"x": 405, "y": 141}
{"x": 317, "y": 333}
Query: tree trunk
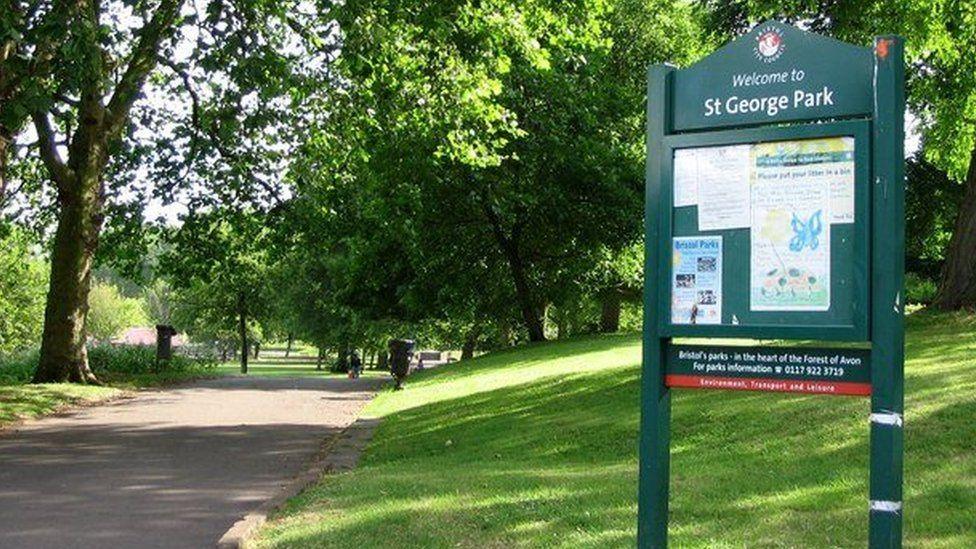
{"x": 467, "y": 350}
{"x": 610, "y": 312}
{"x": 242, "y": 331}
{"x": 321, "y": 357}
{"x": 257, "y": 349}
{"x": 505, "y": 338}
{"x": 532, "y": 314}
{"x": 342, "y": 361}
{"x": 5, "y": 142}
{"x": 958, "y": 286}
{"x": 562, "y": 323}
{"x": 63, "y": 354}
{"x": 291, "y": 339}
{"x": 383, "y": 360}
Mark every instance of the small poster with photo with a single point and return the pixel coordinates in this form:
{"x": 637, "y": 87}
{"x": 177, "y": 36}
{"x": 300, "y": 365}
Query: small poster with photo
{"x": 696, "y": 283}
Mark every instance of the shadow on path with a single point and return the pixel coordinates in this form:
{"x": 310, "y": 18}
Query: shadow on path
{"x": 172, "y": 468}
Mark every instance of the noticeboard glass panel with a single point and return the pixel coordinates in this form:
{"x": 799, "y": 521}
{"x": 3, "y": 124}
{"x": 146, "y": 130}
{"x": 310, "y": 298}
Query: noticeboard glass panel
{"x": 766, "y": 232}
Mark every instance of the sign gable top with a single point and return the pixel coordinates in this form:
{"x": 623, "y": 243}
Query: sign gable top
{"x": 774, "y": 60}
{"x": 773, "y": 44}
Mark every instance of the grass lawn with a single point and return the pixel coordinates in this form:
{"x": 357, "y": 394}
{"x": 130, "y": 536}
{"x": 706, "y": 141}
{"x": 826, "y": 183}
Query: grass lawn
{"x": 276, "y": 366}
{"x": 536, "y": 447}
{"x": 29, "y": 401}
{"x": 300, "y": 362}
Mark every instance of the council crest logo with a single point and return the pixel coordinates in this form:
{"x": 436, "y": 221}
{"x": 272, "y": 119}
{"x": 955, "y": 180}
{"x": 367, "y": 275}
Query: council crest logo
{"x": 769, "y": 45}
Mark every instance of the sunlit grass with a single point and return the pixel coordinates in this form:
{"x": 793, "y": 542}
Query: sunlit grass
{"x": 277, "y": 367}
{"x": 536, "y": 447}
{"x": 28, "y": 401}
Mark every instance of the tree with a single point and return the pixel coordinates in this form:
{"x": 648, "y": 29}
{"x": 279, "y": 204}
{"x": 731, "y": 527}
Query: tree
{"x": 159, "y": 297}
{"x": 110, "y": 313}
{"x": 89, "y": 79}
{"x": 505, "y": 139}
{"x": 220, "y": 259}
{"x": 931, "y": 207}
{"x": 75, "y": 70}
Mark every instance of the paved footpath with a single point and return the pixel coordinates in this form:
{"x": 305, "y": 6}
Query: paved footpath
{"x": 170, "y": 468}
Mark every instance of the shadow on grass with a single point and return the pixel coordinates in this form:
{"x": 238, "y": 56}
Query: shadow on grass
{"x": 29, "y": 401}
{"x": 553, "y": 462}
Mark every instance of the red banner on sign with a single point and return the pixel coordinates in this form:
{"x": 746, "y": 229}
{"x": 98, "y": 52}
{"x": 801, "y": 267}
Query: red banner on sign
{"x": 768, "y": 385}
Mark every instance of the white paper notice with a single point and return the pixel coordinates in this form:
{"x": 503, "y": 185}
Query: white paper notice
{"x": 839, "y": 168}
{"x": 790, "y": 242}
{"x": 696, "y": 280}
{"x": 685, "y": 178}
{"x": 723, "y": 187}
{"x": 828, "y": 159}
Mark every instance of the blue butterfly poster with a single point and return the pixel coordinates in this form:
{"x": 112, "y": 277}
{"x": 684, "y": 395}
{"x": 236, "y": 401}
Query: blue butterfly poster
{"x": 789, "y": 238}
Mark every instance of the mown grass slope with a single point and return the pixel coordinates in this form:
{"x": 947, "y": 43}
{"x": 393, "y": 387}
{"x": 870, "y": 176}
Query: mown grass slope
{"x": 536, "y": 447}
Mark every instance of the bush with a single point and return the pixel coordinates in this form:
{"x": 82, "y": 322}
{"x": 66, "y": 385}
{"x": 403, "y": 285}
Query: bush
{"x": 919, "y": 289}
{"x": 112, "y": 363}
{"x": 138, "y": 359}
{"x": 110, "y": 313}
{"x": 17, "y": 369}
{"x": 23, "y": 290}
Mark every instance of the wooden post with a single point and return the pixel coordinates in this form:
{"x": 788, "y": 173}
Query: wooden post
{"x": 887, "y": 298}
{"x": 655, "y": 440}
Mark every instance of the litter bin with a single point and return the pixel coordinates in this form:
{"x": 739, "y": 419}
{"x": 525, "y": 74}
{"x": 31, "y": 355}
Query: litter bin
{"x": 164, "y": 344}
{"x": 164, "y": 341}
{"x": 400, "y": 351}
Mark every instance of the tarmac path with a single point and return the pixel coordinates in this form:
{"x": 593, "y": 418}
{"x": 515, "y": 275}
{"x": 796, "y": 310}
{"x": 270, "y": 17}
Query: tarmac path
{"x": 169, "y": 468}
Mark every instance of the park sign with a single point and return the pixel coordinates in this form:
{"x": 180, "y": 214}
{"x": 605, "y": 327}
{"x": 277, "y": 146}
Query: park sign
{"x": 774, "y": 74}
{"x": 774, "y": 211}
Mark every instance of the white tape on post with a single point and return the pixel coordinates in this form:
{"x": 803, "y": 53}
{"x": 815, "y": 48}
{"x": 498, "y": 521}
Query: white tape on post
{"x": 886, "y": 506}
{"x": 887, "y": 418}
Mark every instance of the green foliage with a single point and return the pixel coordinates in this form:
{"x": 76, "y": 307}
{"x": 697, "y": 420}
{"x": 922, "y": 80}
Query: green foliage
{"x": 110, "y": 313}
{"x": 484, "y": 161}
{"x": 931, "y": 207}
{"x": 18, "y": 367}
{"x": 218, "y": 261}
{"x": 23, "y": 287}
{"x": 537, "y": 447}
{"x": 919, "y": 289}
{"x": 113, "y": 363}
{"x": 122, "y": 361}
{"x": 159, "y": 299}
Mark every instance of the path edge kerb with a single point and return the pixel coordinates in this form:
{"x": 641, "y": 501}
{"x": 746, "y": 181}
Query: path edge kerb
{"x": 341, "y": 453}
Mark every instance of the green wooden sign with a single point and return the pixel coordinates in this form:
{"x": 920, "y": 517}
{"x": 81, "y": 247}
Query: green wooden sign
{"x": 775, "y": 210}
{"x": 810, "y": 370}
{"x": 776, "y": 73}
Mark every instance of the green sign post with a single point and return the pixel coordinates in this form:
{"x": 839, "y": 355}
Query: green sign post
{"x": 775, "y": 210}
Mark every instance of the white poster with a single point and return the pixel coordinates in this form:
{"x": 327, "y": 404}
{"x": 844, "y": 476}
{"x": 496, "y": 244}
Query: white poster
{"x": 829, "y": 159}
{"x": 790, "y": 241}
{"x": 723, "y": 187}
{"x": 696, "y": 280}
{"x": 685, "y": 178}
